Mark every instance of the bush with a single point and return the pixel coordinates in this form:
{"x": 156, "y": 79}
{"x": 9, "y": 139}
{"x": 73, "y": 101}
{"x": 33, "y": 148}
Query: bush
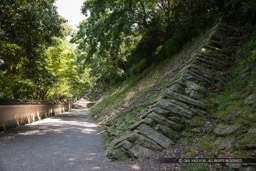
{"x": 138, "y": 68}
{"x": 174, "y": 44}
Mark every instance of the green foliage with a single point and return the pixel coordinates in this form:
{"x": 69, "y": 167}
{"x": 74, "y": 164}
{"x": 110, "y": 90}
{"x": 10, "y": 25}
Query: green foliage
{"x": 62, "y": 63}
{"x": 27, "y": 29}
{"x": 172, "y": 45}
{"x": 241, "y": 9}
{"x": 138, "y": 68}
{"x": 121, "y": 38}
{"x": 118, "y": 40}
{"x": 36, "y": 62}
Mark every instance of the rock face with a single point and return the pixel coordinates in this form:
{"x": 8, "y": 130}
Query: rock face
{"x": 225, "y": 143}
{"x": 252, "y": 132}
{"x": 161, "y": 127}
{"x": 223, "y": 130}
{"x": 250, "y": 100}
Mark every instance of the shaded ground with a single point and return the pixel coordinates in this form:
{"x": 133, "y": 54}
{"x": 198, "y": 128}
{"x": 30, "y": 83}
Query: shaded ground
{"x": 66, "y": 142}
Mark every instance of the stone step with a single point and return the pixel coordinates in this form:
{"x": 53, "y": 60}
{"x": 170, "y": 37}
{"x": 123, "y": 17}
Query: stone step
{"x": 145, "y": 120}
{"x": 117, "y": 141}
{"x": 144, "y": 141}
{"x": 167, "y": 114}
{"x": 168, "y": 132}
{"x": 163, "y": 121}
{"x": 134, "y": 150}
{"x": 189, "y": 84}
{"x": 200, "y": 70}
{"x": 211, "y": 48}
{"x": 195, "y": 78}
{"x": 234, "y": 40}
{"x": 193, "y": 108}
{"x": 217, "y": 56}
{"x": 177, "y": 102}
{"x": 230, "y": 27}
{"x": 214, "y": 38}
{"x": 159, "y": 128}
{"x": 174, "y": 109}
{"x": 211, "y": 63}
{"x": 202, "y": 75}
{"x": 176, "y": 119}
{"x": 226, "y": 32}
{"x": 218, "y": 35}
{"x": 195, "y": 94}
{"x": 136, "y": 141}
{"x": 220, "y": 59}
{"x": 206, "y": 64}
{"x": 199, "y": 112}
{"x": 217, "y": 44}
{"x": 157, "y": 137}
{"x": 192, "y": 89}
{"x": 158, "y": 110}
{"x": 187, "y": 100}
{"x": 177, "y": 87}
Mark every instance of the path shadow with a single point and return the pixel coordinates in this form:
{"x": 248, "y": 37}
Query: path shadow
{"x": 69, "y": 141}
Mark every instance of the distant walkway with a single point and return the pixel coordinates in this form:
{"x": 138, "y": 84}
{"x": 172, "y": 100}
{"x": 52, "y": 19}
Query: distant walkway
{"x": 67, "y": 142}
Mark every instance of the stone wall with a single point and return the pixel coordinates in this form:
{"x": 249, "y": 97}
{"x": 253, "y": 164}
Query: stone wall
{"x": 17, "y": 115}
{"x": 162, "y": 126}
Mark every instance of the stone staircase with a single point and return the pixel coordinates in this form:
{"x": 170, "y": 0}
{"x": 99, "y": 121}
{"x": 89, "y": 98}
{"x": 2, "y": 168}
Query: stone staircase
{"x": 162, "y": 126}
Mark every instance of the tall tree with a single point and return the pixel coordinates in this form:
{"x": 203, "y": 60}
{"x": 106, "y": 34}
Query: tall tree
{"x": 26, "y": 30}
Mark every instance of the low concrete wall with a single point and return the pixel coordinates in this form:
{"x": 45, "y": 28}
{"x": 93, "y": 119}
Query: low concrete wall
{"x": 17, "y": 115}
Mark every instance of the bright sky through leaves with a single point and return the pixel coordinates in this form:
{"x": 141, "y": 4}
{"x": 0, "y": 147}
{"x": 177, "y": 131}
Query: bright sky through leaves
{"x": 71, "y": 10}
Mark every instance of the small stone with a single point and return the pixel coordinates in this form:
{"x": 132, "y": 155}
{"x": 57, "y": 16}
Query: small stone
{"x": 222, "y": 130}
{"x": 225, "y": 143}
{"x": 194, "y": 90}
{"x": 176, "y": 87}
{"x": 195, "y": 95}
{"x": 196, "y": 130}
{"x": 234, "y": 114}
{"x": 235, "y": 96}
{"x": 114, "y": 155}
{"x": 250, "y": 100}
{"x": 139, "y": 151}
{"x": 250, "y": 168}
{"x": 252, "y": 132}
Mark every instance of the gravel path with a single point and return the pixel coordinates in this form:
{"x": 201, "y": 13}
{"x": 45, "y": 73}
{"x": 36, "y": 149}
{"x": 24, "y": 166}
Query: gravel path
{"x": 66, "y": 142}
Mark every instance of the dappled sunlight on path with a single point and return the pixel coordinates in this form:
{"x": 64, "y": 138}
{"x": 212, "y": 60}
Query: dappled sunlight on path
{"x": 66, "y": 142}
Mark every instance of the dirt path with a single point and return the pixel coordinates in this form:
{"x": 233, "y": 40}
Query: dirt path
{"x": 67, "y": 142}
